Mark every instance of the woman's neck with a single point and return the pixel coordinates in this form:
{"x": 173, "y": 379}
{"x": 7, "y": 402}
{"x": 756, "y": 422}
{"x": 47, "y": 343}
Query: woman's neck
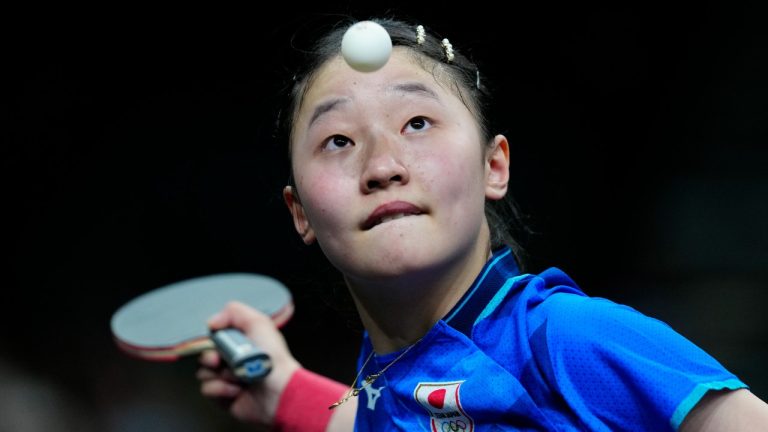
{"x": 397, "y": 312}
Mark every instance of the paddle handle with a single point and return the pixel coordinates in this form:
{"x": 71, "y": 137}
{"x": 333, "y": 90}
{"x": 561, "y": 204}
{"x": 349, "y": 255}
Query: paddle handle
{"x": 249, "y": 362}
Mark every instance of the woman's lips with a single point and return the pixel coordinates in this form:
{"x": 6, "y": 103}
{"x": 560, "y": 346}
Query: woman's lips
{"x": 390, "y": 211}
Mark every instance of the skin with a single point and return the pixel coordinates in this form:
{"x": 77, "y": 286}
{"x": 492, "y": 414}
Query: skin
{"x": 386, "y": 141}
{"x": 256, "y": 404}
{"x": 398, "y": 141}
{"x": 738, "y": 410}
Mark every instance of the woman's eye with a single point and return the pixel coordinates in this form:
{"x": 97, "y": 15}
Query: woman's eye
{"x": 336, "y": 142}
{"x": 417, "y": 124}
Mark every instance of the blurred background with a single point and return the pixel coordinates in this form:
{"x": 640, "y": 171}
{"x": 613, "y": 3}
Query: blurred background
{"x": 138, "y": 151}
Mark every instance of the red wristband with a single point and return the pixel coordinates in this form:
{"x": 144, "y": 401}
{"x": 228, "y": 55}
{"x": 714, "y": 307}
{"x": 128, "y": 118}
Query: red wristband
{"x": 304, "y": 403}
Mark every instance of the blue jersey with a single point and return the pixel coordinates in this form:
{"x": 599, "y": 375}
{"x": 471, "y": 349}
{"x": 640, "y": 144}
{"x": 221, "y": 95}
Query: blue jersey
{"x": 533, "y": 352}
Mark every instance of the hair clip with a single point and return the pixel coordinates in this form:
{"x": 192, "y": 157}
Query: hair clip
{"x": 448, "y": 48}
{"x": 421, "y": 36}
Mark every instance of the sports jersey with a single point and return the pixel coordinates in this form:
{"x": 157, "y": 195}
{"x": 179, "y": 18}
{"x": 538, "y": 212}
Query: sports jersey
{"x": 533, "y": 352}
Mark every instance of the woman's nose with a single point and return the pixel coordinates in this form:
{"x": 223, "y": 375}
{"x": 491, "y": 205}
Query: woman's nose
{"x": 383, "y": 166}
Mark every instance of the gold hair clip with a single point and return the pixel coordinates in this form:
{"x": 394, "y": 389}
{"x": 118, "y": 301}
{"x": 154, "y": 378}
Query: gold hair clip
{"x": 448, "y": 48}
{"x": 421, "y": 36}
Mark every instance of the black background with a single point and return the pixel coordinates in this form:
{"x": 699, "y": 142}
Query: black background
{"x": 138, "y": 151}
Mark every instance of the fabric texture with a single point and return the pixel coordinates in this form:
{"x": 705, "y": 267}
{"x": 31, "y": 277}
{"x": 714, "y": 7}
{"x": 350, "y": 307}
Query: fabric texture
{"x": 533, "y": 352}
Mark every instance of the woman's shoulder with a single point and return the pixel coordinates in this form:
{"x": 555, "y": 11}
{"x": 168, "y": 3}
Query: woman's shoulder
{"x": 597, "y": 330}
{"x": 555, "y": 299}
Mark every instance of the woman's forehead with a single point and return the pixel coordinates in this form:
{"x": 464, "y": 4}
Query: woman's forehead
{"x": 336, "y": 80}
{"x": 337, "y": 75}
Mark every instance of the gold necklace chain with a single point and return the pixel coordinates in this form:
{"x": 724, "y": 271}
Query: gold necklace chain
{"x": 354, "y": 391}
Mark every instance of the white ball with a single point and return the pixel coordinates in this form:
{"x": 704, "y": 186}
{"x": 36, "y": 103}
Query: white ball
{"x": 366, "y": 46}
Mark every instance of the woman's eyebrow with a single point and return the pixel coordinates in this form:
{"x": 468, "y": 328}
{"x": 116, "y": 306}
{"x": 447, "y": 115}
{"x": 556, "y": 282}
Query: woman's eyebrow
{"x": 408, "y": 87}
{"x": 415, "y": 88}
{"x": 326, "y": 107}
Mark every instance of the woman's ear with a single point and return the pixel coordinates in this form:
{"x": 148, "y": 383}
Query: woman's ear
{"x": 300, "y": 221}
{"x": 497, "y": 169}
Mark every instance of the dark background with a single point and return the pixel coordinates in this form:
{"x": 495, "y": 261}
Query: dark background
{"x": 138, "y": 151}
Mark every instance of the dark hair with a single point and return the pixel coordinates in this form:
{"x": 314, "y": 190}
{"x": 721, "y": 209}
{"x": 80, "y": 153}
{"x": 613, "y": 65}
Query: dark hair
{"x": 460, "y": 73}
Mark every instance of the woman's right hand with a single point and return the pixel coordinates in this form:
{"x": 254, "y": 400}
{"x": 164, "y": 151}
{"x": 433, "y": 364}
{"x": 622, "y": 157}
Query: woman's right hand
{"x": 255, "y": 403}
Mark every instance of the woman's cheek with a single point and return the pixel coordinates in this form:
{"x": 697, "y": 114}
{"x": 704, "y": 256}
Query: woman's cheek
{"x": 322, "y": 196}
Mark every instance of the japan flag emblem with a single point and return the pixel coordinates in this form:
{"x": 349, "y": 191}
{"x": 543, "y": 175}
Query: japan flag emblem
{"x": 442, "y": 402}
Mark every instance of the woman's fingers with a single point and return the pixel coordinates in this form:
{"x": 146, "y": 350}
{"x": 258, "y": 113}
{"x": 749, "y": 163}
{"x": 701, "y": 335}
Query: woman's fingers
{"x": 210, "y": 359}
{"x": 241, "y": 316}
{"x": 223, "y": 374}
{"x": 216, "y": 388}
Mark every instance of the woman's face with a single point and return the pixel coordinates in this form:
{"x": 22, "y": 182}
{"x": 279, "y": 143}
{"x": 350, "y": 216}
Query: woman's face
{"x": 390, "y": 171}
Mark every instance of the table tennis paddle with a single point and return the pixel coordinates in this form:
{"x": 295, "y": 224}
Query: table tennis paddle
{"x": 170, "y": 322}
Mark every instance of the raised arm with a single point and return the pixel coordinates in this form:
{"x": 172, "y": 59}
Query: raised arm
{"x": 737, "y": 410}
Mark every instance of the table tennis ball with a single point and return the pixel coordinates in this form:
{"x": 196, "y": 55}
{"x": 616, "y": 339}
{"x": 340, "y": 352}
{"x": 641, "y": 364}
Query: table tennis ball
{"x": 366, "y": 46}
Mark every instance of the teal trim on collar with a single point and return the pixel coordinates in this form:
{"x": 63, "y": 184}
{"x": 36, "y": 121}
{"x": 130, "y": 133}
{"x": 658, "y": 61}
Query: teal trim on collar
{"x": 477, "y": 283}
{"x": 500, "y": 295}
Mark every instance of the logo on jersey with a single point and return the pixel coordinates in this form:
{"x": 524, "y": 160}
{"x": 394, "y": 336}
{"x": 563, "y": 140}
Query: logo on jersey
{"x": 372, "y": 395}
{"x": 441, "y": 400}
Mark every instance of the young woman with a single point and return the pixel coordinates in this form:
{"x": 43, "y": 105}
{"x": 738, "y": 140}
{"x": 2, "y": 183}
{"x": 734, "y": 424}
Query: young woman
{"x": 399, "y": 179}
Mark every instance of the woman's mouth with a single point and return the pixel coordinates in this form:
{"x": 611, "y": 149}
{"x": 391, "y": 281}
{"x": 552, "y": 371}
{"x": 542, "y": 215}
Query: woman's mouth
{"x": 390, "y": 211}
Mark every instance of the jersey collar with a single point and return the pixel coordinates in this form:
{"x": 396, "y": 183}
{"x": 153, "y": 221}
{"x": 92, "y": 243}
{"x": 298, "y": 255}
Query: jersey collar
{"x": 496, "y": 271}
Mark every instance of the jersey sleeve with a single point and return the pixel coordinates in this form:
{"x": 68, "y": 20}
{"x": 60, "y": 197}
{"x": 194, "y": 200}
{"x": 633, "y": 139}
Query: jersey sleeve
{"x": 618, "y": 369}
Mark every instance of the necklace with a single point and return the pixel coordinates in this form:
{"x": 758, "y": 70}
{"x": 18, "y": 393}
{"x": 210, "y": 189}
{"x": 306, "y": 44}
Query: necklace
{"x": 354, "y": 391}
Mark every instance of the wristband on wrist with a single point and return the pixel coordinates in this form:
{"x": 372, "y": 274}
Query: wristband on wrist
{"x": 303, "y": 405}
